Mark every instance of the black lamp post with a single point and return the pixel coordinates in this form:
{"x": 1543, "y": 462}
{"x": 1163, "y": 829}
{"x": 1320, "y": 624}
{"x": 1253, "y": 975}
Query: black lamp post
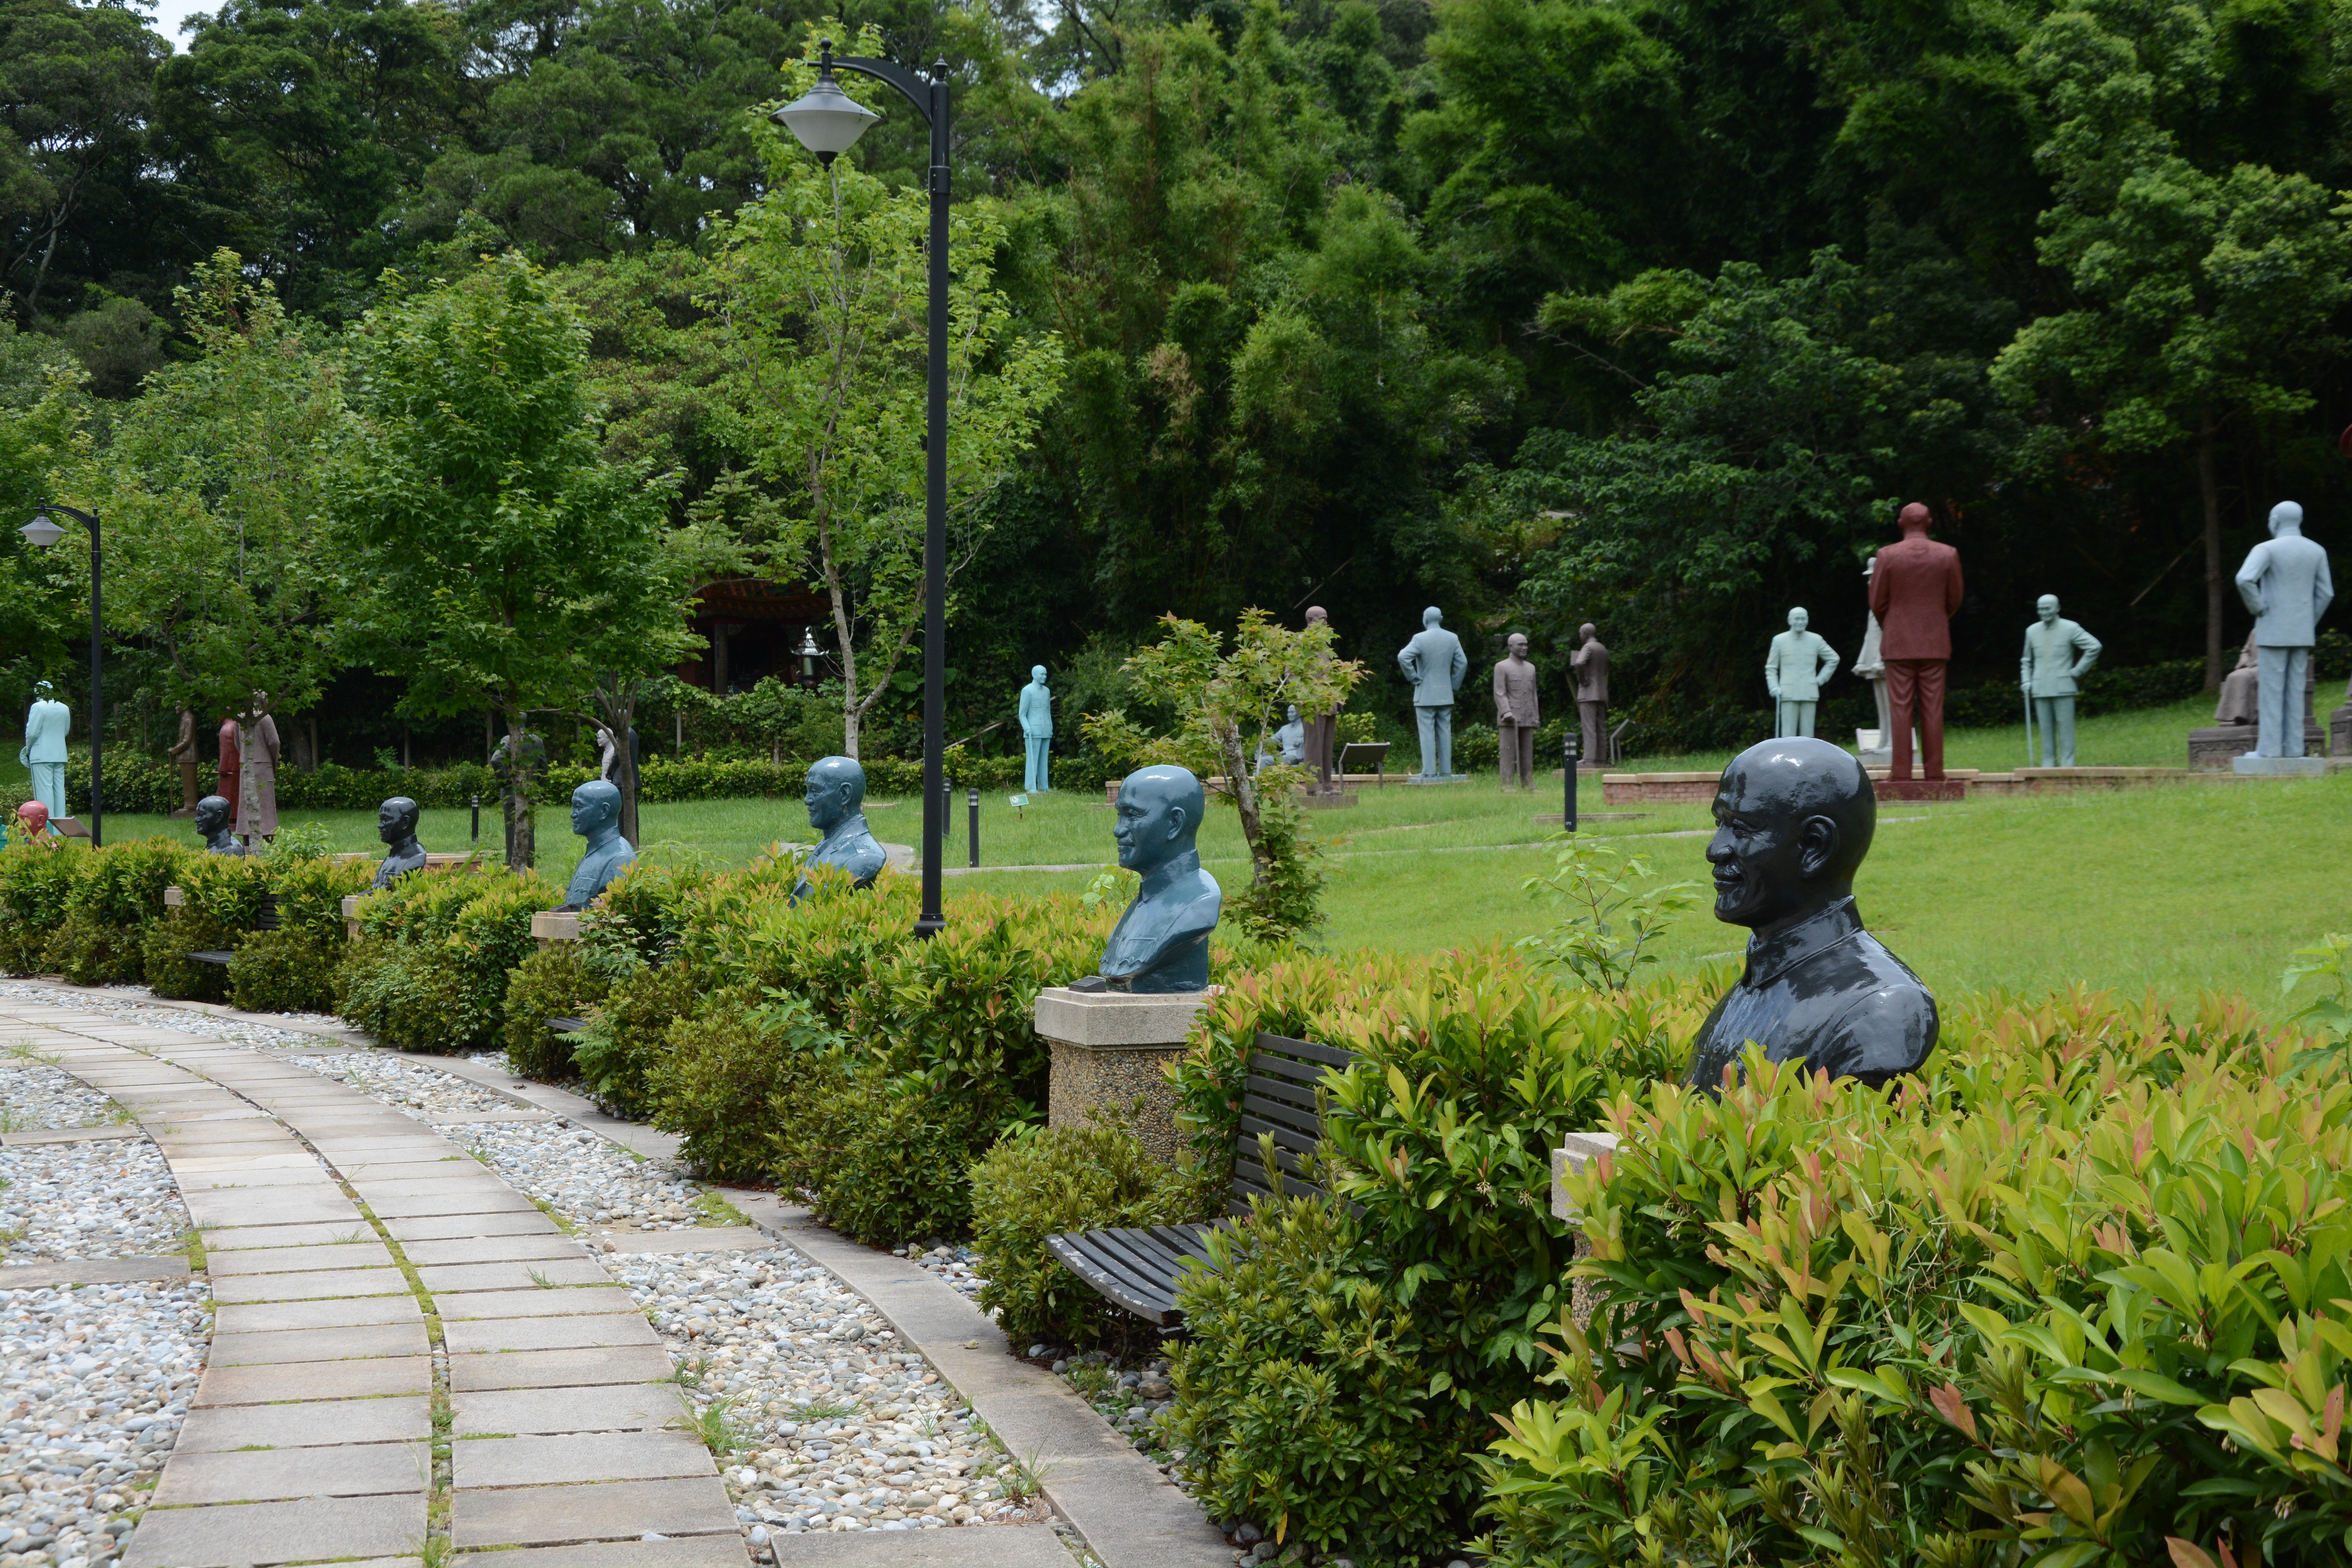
{"x": 41, "y": 532}
{"x": 828, "y": 122}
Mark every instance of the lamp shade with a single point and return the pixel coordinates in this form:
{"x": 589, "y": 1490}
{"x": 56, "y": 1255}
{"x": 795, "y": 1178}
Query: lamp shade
{"x": 827, "y": 121}
{"x": 41, "y": 531}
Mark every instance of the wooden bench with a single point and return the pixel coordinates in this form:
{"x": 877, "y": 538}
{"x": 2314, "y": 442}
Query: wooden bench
{"x": 1138, "y": 1267}
{"x": 265, "y": 918}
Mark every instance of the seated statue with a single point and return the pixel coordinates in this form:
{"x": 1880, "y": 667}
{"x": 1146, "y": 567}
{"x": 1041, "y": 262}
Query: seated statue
{"x": 1793, "y": 820}
{"x": 2239, "y": 689}
{"x": 212, "y": 825}
{"x": 596, "y": 816}
{"x": 395, "y": 824}
{"x": 836, "y": 796}
{"x": 1162, "y": 942}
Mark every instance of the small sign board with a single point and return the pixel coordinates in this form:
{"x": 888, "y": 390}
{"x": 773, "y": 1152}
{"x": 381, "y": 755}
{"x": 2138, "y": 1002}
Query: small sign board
{"x": 67, "y": 828}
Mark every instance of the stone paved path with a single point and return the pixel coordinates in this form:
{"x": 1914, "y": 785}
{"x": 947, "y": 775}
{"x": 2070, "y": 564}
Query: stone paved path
{"x": 404, "y": 1344}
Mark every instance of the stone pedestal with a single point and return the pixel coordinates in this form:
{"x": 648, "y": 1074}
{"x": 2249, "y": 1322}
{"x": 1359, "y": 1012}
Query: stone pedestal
{"x": 1109, "y": 1048}
{"x": 2217, "y": 746}
{"x": 551, "y": 926}
{"x": 1576, "y": 1151}
{"x": 2279, "y": 767}
{"x": 351, "y": 902}
{"x": 2339, "y": 732}
{"x": 175, "y": 897}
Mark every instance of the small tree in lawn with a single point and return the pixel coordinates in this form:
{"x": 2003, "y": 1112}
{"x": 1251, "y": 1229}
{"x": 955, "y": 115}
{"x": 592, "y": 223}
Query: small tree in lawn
{"x": 501, "y": 558}
{"x": 1227, "y": 704}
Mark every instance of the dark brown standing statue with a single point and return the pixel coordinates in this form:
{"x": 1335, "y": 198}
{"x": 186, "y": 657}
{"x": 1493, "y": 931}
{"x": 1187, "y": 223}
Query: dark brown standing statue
{"x": 183, "y": 751}
{"x": 1590, "y": 665}
{"x": 1914, "y": 589}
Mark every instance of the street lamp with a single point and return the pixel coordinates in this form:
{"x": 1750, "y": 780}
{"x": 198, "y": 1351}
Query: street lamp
{"x": 810, "y": 656}
{"x": 41, "y": 533}
{"x": 828, "y": 123}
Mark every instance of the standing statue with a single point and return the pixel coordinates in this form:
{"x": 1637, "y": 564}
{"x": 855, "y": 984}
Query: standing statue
{"x": 1793, "y": 820}
{"x": 1323, "y": 730}
{"x": 1870, "y": 664}
{"x": 596, "y": 816}
{"x": 1434, "y": 661}
{"x": 44, "y": 751}
{"x": 2058, "y": 653}
{"x": 1037, "y": 728}
{"x": 1794, "y": 668}
{"x": 225, "y": 773}
{"x": 2285, "y": 583}
{"x": 395, "y": 824}
{"x": 257, "y": 791}
{"x": 1914, "y": 589}
{"x": 1516, "y": 713}
{"x": 608, "y": 753}
{"x": 834, "y": 794}
{"x": 1590, "y": 664}
{"x": 212, "y": 827}
{"x": 521, "y": 838}
{"x": 183, "y": 751}
{"x": 1162, "y": 942}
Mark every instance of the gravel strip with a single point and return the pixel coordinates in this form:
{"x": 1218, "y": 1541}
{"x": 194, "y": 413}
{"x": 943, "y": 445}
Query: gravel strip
{"x": 33, "y": 1095}
{"x": 112, "y": 1197}
{"x": 403, "y": 1084}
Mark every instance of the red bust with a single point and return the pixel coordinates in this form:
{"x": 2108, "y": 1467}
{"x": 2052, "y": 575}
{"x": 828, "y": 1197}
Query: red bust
{"x": 1914, "y": 589}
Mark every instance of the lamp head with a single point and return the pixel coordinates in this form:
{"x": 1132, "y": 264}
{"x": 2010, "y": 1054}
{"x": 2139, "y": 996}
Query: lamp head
{"x": 41, "y": 532}
{"x": 826, "y": 120}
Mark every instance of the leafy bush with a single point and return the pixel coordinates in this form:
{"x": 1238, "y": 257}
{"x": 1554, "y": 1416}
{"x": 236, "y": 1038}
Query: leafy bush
{"x": 1062, "y": 1179}
{"x": 284, "y": 972}
{"x": 118, "y": 895}
{"x": 38, "y": 883}
{"x": 562, "y": 982}
{"x": 163, "y": 956}
{"x": 626, "y": 1034}
{"x": 728, "y": 1076}
{"x": 1303, "y": 1400}
{"x": 2080, "y": 1296}
{"x": 883, "y": 1155}
{"x": 429, "y": 970}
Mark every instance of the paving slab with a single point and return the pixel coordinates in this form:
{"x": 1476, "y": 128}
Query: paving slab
{"x": 517, "y": 1275}
{"x": 439, "y": 1227}
{"x": 390, "y": 1201}
{"x": 279, "y": 1475}
{"x": 311, "y": 1285}
{"x": 241, "y": 1317}
{"x": 253, "y": 1175}
{"x": 312, "y": 1424}
{"x": 534, "y": 1516}
{"x": 650, "y": 1454}
{"x": 293, "y": 1156}
{"x": 318, "y": 1345}
{"x": 547, "y": 1334}
{"x": 91, "y": 1271}
{"x": 258, "y": 1534}
{"x": 272, "y": 1237}
{"x": 304, "y": 1380}
{"x": 603, "y": 1407}
{"x": 270, "y": 1205}
{"x": 69, "y": 1135}
{"x": 225, "y": 1265}
{"x": 558, "y": 1368}
{"x": 492, "y": 1249}
{"x": 697, "y": 1552}
{"x": 558, "y": 1301}
{"x": 421, "y": 1168}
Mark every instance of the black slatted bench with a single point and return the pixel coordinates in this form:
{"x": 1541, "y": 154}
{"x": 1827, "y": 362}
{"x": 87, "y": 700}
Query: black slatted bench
{"x": 265, "y": 918}
{"x": 1138, "y": 1267}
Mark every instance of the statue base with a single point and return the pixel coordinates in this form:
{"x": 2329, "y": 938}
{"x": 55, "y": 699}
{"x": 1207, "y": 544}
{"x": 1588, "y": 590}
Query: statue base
{"x": 1315, "y": 800}
{"x": 2279, "y": 767}
{"x": 1913, "y": 791}
{"x": 1438, "y": 778}
{"x": 2339, "y": 732}
{"x": 1110, "y": 1048}
{"x": 2218, "y": 747}
{"x": 551, "y": 926}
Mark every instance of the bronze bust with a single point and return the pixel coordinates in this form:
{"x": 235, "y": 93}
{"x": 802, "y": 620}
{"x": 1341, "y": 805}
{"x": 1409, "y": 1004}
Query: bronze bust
{"x": 212, "y": 827}
{"x": 395, "y": 824}
{"x": 1793, "y": 820}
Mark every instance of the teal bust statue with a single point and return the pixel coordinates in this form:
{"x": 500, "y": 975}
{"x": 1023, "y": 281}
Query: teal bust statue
{"x": 836, "y": 796}
{"x": 1037, "y": 728}
{"x": 1162, "y": 942}
{"x": 395, "y": 824}
{"x": 596, "y": 816}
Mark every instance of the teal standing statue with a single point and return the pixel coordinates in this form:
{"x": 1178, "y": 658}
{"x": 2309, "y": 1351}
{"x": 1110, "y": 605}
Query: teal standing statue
{"x": 835, "y": 797}
{"x": 1162, "y": 942}
{"x": 2058, "y": 653}
{"x": 1037, "y": 728}
{"x": 596, "y": 816}
{"x": 1799, "y": 662}
{"x": 44, "y": 751}
{"x": 1434, "y": 661}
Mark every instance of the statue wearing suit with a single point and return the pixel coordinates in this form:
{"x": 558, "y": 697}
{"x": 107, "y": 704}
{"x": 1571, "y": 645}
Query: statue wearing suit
{"x": 2285, "y": 582}
{"x": 1518, "y": 713}
{"x": 1798, "y": 661}
{"x": 44, "y": 751}
{"x": 1914, "y": 589}
{"x": 834, "y": 794}
{"x": 1434, "y": 661}
{"x": 1037, "y": 728}
{"x": 1589, "y": 665}
{"x": 1162, "y": 942}
{"x": 596, "y": 817}
{"x": 2058, "y": 653}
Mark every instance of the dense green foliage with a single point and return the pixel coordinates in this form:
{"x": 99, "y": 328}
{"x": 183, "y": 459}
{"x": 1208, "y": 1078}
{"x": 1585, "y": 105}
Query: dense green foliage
{"x": 429, "y": 971}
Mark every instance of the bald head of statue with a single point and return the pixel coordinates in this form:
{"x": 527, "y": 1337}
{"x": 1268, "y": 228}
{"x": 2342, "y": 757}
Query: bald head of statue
{"x": 1793, "y": 823}
{"x": 1793, "y": 819}
{"x": 834, "y": 790}
{"x": 1158, "y": 817}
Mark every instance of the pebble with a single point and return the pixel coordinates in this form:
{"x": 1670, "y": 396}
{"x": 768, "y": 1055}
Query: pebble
{"x": 404, "y": 1084}
{"x": 951, "y": 1263}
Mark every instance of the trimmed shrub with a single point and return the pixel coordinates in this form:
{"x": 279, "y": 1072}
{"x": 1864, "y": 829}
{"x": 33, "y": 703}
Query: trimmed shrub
{"x": 283, "y": 971}
{"x": 1061, "y": 1179}
{"x": 618, "y": 1051}
{"x": 163, "y": 956}
{"x": 883, "y": 1154}
{"x": 559, "y": 982}
{"x": 120, "y": 893}
{"x": 727, "y": 1077}
{"x": 38, "y": 883}
{"x": 429, "y": 970}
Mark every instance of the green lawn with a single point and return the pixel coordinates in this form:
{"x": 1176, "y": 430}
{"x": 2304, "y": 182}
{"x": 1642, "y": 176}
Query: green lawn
{"x": 2178, "y": 888}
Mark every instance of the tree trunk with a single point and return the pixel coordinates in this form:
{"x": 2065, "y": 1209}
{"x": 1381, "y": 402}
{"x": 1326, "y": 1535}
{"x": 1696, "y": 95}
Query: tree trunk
{"x": 1244, "y": 788}
{"x": 523, "y": 848}
{"x": 2212, "y": 495}
{"x": 851, "y": 709}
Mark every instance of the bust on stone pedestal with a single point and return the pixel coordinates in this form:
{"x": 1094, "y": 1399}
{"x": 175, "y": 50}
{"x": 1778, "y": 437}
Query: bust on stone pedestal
{"x": 395, "y": 824}
{"x": 596, "y": 816}
{"x": 1162, "y": 942}
{"x": 834, "y": 794}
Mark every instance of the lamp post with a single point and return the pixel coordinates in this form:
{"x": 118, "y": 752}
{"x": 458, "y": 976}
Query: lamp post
{"x": 41, "y": 533}
{"x": 810, "y": 656}
{"x": 828, "y": 122}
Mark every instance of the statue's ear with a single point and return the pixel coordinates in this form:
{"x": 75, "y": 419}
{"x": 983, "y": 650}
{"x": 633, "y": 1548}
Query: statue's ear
{"x": 1817, "y": 845}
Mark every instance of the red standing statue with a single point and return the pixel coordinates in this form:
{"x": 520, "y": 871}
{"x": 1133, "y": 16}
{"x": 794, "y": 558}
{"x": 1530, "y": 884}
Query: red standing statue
{"x": 1914, "y": 589}
{"x": 225, "y": 778}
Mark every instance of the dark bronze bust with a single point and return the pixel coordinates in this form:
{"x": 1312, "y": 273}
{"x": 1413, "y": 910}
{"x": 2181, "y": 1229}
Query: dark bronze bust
{"x": 212, "y": 827}
{"x": 395, "y": 824}
{"x": 1793, "y": 820}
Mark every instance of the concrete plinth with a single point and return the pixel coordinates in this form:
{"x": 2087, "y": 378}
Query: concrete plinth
{"x": 551, "y": 926}
{"x": 2279, "y": 767}
{"x": 2339, "y": 732}
{"x": 1578, "y": 1149}
{"x": 2217, "y": 746}
{"x": 1911, "y": 791}
{"x": 1110, "y": 1048}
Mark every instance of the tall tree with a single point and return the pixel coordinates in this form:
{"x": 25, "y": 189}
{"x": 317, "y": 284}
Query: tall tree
{"x": 501, "y": 558}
